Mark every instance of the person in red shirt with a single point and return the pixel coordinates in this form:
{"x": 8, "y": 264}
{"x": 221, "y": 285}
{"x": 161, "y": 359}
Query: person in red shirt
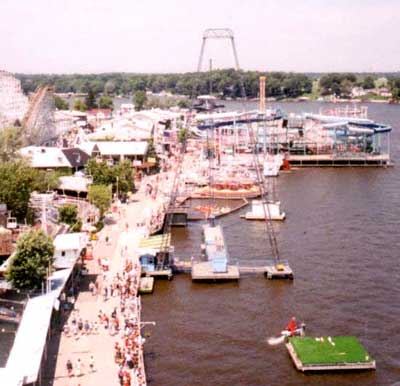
{"x": 292, "y": 326}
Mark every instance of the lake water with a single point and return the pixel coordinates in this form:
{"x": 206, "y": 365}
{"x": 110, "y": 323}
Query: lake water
{"x": 342, "y": 238}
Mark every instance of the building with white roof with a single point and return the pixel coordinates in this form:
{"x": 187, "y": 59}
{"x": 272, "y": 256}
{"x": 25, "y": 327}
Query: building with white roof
{"x": 116, "y": 151}
{"x": 42, "y": 157}
{"x": 68, "y": 249}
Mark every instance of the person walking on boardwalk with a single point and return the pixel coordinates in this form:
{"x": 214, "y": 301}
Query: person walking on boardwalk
{"x": 69, "y": 368}
{"x": 91, "y": 364}
{"x": 105, "y": 293}
{"x": 78, "y": 368}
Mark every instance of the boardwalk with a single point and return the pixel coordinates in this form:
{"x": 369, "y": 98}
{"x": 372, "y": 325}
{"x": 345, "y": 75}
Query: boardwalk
{"x": 124, "y": 234}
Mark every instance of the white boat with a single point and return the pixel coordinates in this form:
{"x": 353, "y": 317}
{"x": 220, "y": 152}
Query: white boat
{"x": 272, "y": 165}
{"x": 257, "y": 211}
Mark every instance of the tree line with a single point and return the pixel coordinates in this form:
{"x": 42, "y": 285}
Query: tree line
{"x": 226, "y": 83}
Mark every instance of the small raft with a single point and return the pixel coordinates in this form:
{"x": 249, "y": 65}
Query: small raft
{"x": 272, "y": 209}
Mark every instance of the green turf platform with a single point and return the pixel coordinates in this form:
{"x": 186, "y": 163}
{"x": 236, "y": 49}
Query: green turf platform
{"x": 337, "y": 353}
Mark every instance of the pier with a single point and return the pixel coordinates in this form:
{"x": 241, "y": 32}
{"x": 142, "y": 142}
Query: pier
{"x": 205, "y": 271}
{"x": 214, "y": 249}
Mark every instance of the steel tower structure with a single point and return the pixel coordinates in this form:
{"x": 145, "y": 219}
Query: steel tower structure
{"x": 262, "y": 94}
{"x": 218, "y": 33}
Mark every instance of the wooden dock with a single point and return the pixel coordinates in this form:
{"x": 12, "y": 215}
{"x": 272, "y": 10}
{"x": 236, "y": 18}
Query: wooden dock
{"x": 250, "y": 269}
{"x": 204, "y": 271}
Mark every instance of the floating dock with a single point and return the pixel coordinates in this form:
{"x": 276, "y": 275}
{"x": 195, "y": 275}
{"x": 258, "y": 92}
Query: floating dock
{"x": 272, "y": 209}
{"x": 330, "y": 160}
{"x": 216, "y": 267}
{"x": 329, "y": 354}
{"x": 278, "y": 270}
{"x": 146, "y": 285}
{"x": 205, "y": 271}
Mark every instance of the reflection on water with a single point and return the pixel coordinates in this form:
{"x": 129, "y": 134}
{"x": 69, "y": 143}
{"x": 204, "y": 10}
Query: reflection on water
{"x": 7, "y": 335}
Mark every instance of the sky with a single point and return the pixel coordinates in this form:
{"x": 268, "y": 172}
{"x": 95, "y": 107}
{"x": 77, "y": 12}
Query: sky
{"x": 92, "y": 36}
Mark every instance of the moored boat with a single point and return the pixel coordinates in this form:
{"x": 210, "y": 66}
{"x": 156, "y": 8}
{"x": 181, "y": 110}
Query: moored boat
{"x": 258, "y": 212}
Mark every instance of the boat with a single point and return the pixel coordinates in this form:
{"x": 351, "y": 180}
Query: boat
{"x": 9, "y": 315}
{"x": 258, "y": 213}
{"x": 227, "y": 190}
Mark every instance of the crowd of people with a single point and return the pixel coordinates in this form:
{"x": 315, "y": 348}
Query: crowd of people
{"x": 125, "y": 321}
{"x": 122, "y": 321}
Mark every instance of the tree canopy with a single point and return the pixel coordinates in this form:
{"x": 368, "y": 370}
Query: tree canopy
{"x": 80, "y": 105}
{"x": 225, "y": 83}
{"x": 368, "y": 83}
{"x": 105, "y": 174}
{"x": 337, "y": 83}
{"x": 106, "y": 102}
{"x": 18, "y": 180}
{"x": 10, "y": 143}
{"x": 32, "y": 259}
{"x": 68, "y": 214}
{"x": 395, "y": 88}
{"x": 140, "y": 100}
{"x": 100, "y": 197}
{"x": 60, "y": 103}
{"x": 90, "y": 100}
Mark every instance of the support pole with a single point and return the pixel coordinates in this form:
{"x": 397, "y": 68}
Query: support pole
{"x": 235, "y": 54}
{"x": 201, "y": 54}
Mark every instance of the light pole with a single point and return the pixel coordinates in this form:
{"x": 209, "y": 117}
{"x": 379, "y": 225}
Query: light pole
{"x": 117, "y": 187}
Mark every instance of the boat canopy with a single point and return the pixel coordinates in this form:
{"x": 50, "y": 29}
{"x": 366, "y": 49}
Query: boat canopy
{"x": 159, "y": 243}
{"x": 355, "y": 125}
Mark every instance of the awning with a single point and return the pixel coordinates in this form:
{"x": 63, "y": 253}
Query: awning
{"x": 159, "y": 243}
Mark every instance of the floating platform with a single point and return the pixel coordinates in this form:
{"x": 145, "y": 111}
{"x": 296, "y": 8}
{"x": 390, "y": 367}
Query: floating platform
{"x": 205, "y": 271}
{"x": 280, "y": 270}
{"x": 259, "y": 210}
{"x": 251, "y": 216}
{"x": 330, "y": 160}
{"x": 146, "y": 285}
{"x": 329, "y": 354}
